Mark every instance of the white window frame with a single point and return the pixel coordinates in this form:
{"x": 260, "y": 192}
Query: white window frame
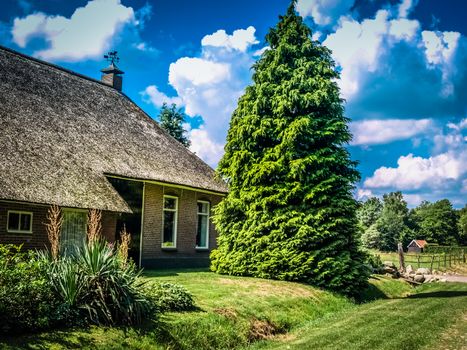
{"x": 207, "y": 226}
{"x": 175, "y": 224}
{"x": 20, "y": 212}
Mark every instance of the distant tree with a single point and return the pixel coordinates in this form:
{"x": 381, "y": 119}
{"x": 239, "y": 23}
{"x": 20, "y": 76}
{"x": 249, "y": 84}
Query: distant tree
{"x": 437, "y": 222}
{"x": 371, "y": 238}
{"x": 290, "y": 213}
{"x": 369, "y": 211}
{"x": 463, "y": 226}
{"x": 171, "y": 119}
{"x": 393, "y": 221}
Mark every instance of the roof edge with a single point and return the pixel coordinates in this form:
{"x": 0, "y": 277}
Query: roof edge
{"x": 165, "y": 183}
{"x": 53, "y": 65}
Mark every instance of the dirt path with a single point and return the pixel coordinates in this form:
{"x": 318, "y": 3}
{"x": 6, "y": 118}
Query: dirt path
{"x": 451, "y": 278}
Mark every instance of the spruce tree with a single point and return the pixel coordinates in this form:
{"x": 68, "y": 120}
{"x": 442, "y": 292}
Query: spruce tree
{"x": 290, "y": 214}
{"x": 171, "y": 119}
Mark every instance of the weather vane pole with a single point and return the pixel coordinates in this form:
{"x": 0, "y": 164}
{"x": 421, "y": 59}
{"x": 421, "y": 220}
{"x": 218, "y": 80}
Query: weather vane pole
{"x": 112, "y": 57}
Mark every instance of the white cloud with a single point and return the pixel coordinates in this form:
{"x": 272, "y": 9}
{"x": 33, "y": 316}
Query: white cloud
{"x": 413, "y": 173}
{"x": 369, "y": 132}
{"x": 209, "y": 86}
{"x": 204, "y": 147}
{"x": 197, "y": 71}
{"x": 324, "y": 12}
{"x": 413, "y": 199}
{"x": 358, "y": 46}
{"x": 152, "y": 95}
{"x": 241, "y": 39}
{"x": 364, "y": 193}
{"x": 405, "y": 7}
{"x": 86, "y": 34}
{"x": 439, "y": 46}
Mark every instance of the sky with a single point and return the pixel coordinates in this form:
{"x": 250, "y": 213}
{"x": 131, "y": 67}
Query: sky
{"x": 403, "y": 66}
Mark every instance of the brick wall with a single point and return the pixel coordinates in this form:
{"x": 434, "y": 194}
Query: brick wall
{"x": 38, "y": 238}
{"x": 186, "y": 225}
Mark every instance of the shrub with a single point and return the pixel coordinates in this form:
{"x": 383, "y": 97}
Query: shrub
{"x": 27, "y": 301}
{"x": 95, "y": 284}
{"x": 169, "y": 297}
{"x": 374, "y": 261}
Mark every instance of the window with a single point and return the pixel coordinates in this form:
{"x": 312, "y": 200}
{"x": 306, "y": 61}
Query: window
{"x": 19, "y": 222}
{"x": 202, "y": 233}
{"x": 169, "y": 224}
{"x": 73, "y": 233}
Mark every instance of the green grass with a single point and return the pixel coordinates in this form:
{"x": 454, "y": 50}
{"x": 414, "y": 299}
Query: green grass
{"x": 237, "y": 312}
{"x": 416, "y": 322}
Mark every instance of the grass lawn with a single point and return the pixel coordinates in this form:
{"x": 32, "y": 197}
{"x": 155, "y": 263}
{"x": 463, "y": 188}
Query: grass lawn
{"x": 237, "y": 312}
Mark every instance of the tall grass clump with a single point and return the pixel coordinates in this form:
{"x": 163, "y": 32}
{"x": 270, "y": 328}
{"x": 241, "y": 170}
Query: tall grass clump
{"x": 53, "y": 227}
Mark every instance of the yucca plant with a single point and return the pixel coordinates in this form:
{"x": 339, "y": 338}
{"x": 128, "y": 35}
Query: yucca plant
{"x": 111, "y": 292}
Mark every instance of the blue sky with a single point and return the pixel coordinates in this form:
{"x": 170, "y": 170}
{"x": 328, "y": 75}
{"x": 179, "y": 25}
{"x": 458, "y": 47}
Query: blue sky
{"x": 403, "y": 70}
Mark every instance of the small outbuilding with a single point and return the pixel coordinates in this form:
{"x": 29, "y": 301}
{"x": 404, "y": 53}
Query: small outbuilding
{"x": 416, "y": 246}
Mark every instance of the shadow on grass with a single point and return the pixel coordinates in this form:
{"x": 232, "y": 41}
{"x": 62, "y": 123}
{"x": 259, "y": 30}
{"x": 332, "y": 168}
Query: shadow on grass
{"x": 440, "y": 294}
{"x": 172, "y": 272}
{"x": 371, "y": 293}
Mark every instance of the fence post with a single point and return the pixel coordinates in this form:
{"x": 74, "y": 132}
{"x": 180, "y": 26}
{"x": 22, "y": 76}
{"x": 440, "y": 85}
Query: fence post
{"x": 418, "y": 260}
{"x": 401, "y": 257}
{"x": 432, "y": 261}
{"x": 445, "y": 260}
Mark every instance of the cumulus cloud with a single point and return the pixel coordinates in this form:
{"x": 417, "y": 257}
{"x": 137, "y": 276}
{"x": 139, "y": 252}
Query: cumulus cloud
{"x": 324, "y": 12}
{"x": 152, "y": 95}
{"x": 197, "y": 71}
{"x": 209, "y": 86}
{"x": 370, "y": 132}
{"x": 414, "y": 172}
{"x": 241, "y": 39}
{"x": 86, "y": 34}
{"x": 204, "y": 147}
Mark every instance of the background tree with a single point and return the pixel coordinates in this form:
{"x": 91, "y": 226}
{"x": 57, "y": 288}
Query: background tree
{"x": 369, "y": 211}
{"x": 437, "y": 222}
{"x": 171, "y": 119}
{"x": 371, "y": 238}
{"x": 463, "y": 226}
{"x": 290, "y": 213}
{"x": 393, "y": 223}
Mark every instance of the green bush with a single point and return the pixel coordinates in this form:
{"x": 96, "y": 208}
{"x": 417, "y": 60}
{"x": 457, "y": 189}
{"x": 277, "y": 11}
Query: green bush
{"x": 374, "y": 261}
{"x": 169, "y": 297}
{"x": 27, "y": 301}
{"x": 95, "y": 284}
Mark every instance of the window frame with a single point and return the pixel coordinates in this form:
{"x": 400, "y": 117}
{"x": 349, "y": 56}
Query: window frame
{"x": 175, "y": 228}
{"x": 74, "y": 211}
{"x": 20, "y": 212}
{"x": 207, "y": 226}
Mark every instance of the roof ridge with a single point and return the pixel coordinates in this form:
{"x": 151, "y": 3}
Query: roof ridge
{"x": 53, "y": 65}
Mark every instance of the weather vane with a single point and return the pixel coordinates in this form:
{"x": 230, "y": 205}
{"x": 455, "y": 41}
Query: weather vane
{"x": 112, "y": 57}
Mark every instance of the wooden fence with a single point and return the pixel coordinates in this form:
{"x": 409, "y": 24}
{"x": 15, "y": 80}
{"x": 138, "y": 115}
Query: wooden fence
{"x": 437, "y": 261}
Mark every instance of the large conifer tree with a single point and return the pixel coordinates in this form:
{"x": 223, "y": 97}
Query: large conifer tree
{"x": 290, "y": 213}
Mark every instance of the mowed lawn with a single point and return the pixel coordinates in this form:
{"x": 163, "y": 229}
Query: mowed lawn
{"x": 236, "y": 312}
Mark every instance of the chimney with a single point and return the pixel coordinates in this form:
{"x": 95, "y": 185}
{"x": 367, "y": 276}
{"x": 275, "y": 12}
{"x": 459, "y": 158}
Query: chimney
{"x": 111, "y": 75}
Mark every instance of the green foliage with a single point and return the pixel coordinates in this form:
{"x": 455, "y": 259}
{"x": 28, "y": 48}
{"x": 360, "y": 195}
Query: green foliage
{"x": 437, "y": 222}
{"x": 371, "y": 238}
{"x": 289, "y": 213}
{"x": 393, "y": 223}
{"x": 169, "y": 297}
{"x": 369, "y": 211}
{"x": 27, "y": 301}
{"x": 374, "y": 260}
{"x": 171, "y": 119}
{"x": 94, "y": 283}
{"x": 463, "y": 226}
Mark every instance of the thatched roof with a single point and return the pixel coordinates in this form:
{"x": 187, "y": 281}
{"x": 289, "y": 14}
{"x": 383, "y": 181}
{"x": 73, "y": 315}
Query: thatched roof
{"x": 62, "y": 132}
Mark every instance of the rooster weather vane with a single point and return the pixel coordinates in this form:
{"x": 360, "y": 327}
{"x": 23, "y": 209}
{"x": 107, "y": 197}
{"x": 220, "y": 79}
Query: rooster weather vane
{"x": 112, "y": 57}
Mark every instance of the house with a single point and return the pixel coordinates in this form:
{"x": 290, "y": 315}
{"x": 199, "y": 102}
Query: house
{"x": 416, "y": 246}
{"x": 80, "y": 143}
